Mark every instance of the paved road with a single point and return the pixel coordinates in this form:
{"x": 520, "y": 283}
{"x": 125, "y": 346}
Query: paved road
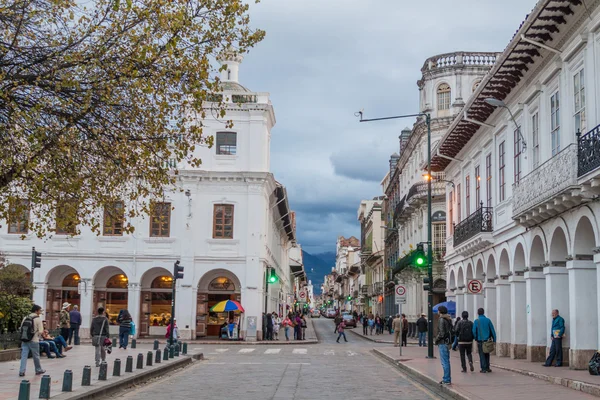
{"x": 327, "y": 370}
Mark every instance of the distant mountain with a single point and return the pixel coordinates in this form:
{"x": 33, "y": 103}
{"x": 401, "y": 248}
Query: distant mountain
{"x": 316, "y": 268}
{"x": 328, "y": 257}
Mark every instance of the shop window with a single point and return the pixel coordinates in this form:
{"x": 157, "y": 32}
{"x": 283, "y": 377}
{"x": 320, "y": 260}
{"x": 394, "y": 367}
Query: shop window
{"x": 162, "y": 282}
{"x": 71, "y": 280}
{"x": 119, "y": 281}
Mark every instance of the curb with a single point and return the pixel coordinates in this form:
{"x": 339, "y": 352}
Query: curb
{"x": 240, "y": 342}
{"x": 580, "y": 386}
{"x": 111, "y": 387}
{"x": 376, "y": 340}
{"x": 421, "y": 377}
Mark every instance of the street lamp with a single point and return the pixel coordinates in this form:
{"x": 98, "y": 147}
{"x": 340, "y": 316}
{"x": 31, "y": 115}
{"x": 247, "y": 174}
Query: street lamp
{"x": 429, "y": 228}
{"x": 499, "y": 103}
{"x": 430, "y": 177}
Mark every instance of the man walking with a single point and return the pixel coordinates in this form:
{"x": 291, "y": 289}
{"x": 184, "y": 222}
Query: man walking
{"x": 75, "y": 319}
{"x": 422, "y": 326}
{"x": 404, "y": 330}
{"x": 65, "y": 321}
{"x": 365, "y": 324}
{"x": 30, "y": 330}
{"x": 269, "y": 327}
{"x": 336, "y": 321}
{"x": 397, "y": 327}
{"x": 483, "y": 330}
{"x": 464, "y": 333}
{"x": 443, "y": 340}
{"x": 99, "y": 332}
{"x": 556, "y": 334}
{"x": 340, "y": 329}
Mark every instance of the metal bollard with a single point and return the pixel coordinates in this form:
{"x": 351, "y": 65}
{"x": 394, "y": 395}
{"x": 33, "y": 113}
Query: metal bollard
{"x": 140, "y": 361}
{"x": 129, "y": 364}
{"x": 68, "y": 381}
{"x": 180, "y": 346}
{"x": 157, "y": 358}
{"x": 103, "y": 371}
{"x": 149, "y": 356}
{"x": 133, "y": 343}
{"x": 86, "y": 379}
{"x": 184, "y": 350}
{"x": 114, "y": 342}
{"x": 24, "y": 390}
{"x": 117, "y": 367}
{"x": 45, "y": 387}
{"x": 171, "y": 351}
{"x": 156, "y": 344}
{"x": 176, "y": 350}
{"x": 166, "y": 354}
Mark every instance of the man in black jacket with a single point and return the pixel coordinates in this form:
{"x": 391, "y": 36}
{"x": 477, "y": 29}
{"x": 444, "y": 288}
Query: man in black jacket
{"x": 422, "y": 330}
{"x": 269, "y": 327}
{"x": 99, "y": 332}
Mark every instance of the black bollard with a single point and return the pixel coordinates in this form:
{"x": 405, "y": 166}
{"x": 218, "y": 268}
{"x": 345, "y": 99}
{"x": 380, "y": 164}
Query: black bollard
{"x": 156, "y": 344}
{"x": 157, "y": 358}
{"x": 68, "y": 381}
{"x": 117, "y": 367}
{"x": 133, "y": 343}
{"x": 176, "y": 350}
{"x": 45, "y": 387}
{"x": 184, "y": 350}
{"x": 171, "y": 351}
{"x": 24, "y": 390}
{"x": 86, "y": 379}
{"x": 103, "y": 371}
{"x": 149, "y": 356}
{"x": 180, "y": 346}
{"x": 115, "y": 341}
{"x": 166, "y": 354}
{"x": 140, "y": 361}
{"x": 129, "y": 364}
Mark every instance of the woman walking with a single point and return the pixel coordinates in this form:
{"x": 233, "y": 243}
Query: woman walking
{"x": 124, "y": 321}
{"x": 287, "y": 322}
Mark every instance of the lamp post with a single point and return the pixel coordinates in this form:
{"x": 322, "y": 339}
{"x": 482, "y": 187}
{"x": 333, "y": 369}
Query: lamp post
{"x": 499, "y": 103}
{"x": 429, "y": 239}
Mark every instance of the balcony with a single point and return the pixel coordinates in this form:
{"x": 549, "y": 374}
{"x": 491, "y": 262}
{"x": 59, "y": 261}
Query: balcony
{"x": 474, "y": 233}
{"x": 552, "y": 187}
{"x": 369, "y": 290}
{"x": 378, "y": 288}
{"x": 588, "y": 152}
{"x": 364, "y": 289}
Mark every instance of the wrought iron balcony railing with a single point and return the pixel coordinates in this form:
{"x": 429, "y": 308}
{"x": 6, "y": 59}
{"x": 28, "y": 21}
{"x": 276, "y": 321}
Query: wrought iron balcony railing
{"x": 378, "y": 288}
{"x": 588, "y": 152}
{"x": 476, "y": 223}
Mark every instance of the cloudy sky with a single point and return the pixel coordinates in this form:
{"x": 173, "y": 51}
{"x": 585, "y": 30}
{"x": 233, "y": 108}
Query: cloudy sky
{"x": 322, "y": 60}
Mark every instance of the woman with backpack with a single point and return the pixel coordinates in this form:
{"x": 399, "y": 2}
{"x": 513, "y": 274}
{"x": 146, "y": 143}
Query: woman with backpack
{"x": 464, "y": 333}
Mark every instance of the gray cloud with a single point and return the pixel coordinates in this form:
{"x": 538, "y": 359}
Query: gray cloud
{"x": 322, "y": 60}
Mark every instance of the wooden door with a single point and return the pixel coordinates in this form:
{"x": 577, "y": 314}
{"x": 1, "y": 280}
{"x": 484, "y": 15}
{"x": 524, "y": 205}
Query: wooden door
{"x": 201, "y": 314}
{"x": 53, "y": 298}
{"x": 145, "y": 313}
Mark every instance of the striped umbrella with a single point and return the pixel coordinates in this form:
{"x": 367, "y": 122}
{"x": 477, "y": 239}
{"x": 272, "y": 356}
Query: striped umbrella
{"x": 227, "y": 305}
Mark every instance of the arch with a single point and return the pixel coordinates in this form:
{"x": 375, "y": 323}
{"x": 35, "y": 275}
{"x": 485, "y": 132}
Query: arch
{"x": 461, "y": 277}
{"x": 452, "y": 279}
{"x": 537, "y": 254}
{"x": 207, "y": 278}
{"x": 152, "y": 274}
{"x": 479, "y": 270}
{"x": 558, "y": 246}
{"x": 470, "y": 272}
{"x": 519, "y": 258}
{"x": 475, "y": 85}
{"x": 104, "y": 274}
{"x": 443, "y": 96}
{"x": 585, "y": 237}
{"x": 504, "y": 263}
{"x": 61, "y": 289}
{"x": 55, "y": 277}
{"x": 490, "y": 267}
{"x": 20, "y": 266}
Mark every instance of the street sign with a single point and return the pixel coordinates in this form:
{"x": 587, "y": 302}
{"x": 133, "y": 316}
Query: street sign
{"x": 400, "y": 292}
{"x": 302, "y": 296}
{"x": 475, "y": 286}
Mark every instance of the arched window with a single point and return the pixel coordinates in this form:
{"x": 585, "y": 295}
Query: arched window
{"x": 71, "y": 280}
{"x": 119, "y": 281}
{"x": 443, "y": 97}
{"x": 221, "y": 283}
{"x": 162, "y": 282}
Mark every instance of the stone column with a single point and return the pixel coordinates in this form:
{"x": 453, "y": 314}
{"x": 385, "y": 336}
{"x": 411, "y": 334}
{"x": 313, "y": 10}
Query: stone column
{"x": 185, "y": 310}
{"x": 253, "y": 300}
{"x": 460, "y": 299}
{"x": 518, "y": 316}
{"x": 133, "y": 304}
{"x": 478, "y": 302}
{"x": 537, "y": 333}
{"x": 468, "y": 304}
{"x": 557, "y": 297}
{"x": 489, "y": 301}
{"x": 86, "y": 306}
{"x": 583, "y": 321}
{"x": 503, "y": 316}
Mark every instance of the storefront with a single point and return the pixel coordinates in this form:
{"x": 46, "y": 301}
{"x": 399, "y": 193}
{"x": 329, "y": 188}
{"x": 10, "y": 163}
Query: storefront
{"x": 214, "y": 287}
{"x": 156, "y": 307}
{"x": 61, "y": 289}
{"x": 110, "y": 292}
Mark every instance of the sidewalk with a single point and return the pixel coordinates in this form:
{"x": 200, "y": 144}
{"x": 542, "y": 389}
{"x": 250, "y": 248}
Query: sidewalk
{"x": 386, "y": 337}
{"x": 75, "y": 360}
{"x": 500, "y": 384}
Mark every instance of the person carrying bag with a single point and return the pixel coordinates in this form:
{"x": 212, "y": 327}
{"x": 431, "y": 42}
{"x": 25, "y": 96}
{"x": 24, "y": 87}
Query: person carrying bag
{"x": 485, "y": 335}
{"x": 99, "y": 333}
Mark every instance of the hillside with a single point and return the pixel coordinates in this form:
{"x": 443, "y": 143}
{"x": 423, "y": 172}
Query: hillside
{"x": 316, "y": 268}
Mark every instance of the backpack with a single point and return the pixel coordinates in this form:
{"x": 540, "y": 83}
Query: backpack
{"x": 465, "y": 331}
{"x": 27, "y": 330}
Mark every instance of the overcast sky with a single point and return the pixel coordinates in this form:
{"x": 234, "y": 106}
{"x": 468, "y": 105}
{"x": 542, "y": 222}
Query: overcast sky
{"x": 322, "y": 60}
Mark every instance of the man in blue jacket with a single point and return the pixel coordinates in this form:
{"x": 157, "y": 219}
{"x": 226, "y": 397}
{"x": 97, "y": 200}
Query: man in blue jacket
{"x": 483, "y": 330}
{"x": 556, "y": 334}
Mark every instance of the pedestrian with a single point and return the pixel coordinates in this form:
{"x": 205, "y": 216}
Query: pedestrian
{"x": 59, "y": 341}
{"x": 264, "y": 325}
{"x": 556, "y": 334}
{"x": 404, "y": 330}
{"x": 371, "y": 323}
{"x": 269, "y": 326}
{"x": 276, "y": 326}
{"x": 483, "y": 331}
{"x": 422, "y": 326}
{"x": 390, "y": 323}
{"x": 29, "y": 331}
{"x": 377, "y": 324}
{"x": 303, "y": 326}
{"x": 443, "y": 341}
{"x": 341, "y": 332}
{"x": 99, "y": 332}
{"x": 464, "y": 333}
{"x": 287, "y": 322}
{"x": 298, "y": 327}
{"x": 175, "y": 332}
{"x": 65, "y": 321}
{"x": 397, "y": 327}
{"x": 75, "y": 320}
{"x": 365, "y": 324}
{"x": 455, "y": 338}
{"x": 336, "y": 321}
{"x": 124, "y": 321}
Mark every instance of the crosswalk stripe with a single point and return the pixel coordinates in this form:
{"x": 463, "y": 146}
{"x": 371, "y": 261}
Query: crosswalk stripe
{"x": 272, "y": 351}
{"x": 350, "y": 353}
{"x": 329, "y": 353}
{"x": 221, "y": 350}
{"x": 299, "y": 351}
{"x": 246, "y": 350}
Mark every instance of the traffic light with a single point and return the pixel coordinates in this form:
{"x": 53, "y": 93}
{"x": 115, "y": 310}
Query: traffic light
{"x": 349, "y": 298}
{"x": 426, "y": 284}
{"x": 420, "y": 259}
{"x": 177, "y": 271}
{"x": 36, "y": 259}
{"x": 272, "y": 278}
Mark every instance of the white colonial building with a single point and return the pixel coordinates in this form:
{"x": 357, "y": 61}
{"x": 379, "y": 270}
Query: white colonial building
{"x": 229, "y": 224}
{"x": 524, "y": 215}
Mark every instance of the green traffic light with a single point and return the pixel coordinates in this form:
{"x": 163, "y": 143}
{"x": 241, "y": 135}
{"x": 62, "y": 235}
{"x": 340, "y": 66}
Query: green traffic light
{"x": 420, "y": 260}
{"x": 272, "y": 279}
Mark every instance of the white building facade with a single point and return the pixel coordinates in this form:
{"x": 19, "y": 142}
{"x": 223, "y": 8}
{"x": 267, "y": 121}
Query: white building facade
{"x": 228, "y": 223}
{"x": 526, "y": 220}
